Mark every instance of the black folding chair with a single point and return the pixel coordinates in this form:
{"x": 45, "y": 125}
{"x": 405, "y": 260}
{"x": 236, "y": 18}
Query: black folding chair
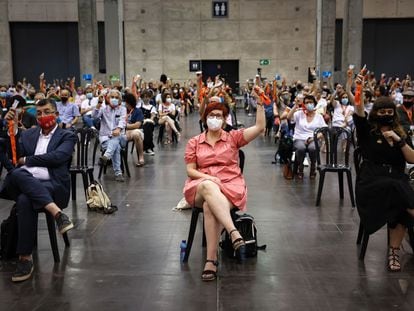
{"x": 51, "y": 228}
{"x": 197, "y": 210}
{"x": 333, "y": 138}
{"x": 124, "y": 160}
{"x": 81, "y": 166}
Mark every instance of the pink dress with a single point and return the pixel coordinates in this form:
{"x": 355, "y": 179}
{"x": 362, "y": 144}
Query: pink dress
{"x": 220, "y": 161}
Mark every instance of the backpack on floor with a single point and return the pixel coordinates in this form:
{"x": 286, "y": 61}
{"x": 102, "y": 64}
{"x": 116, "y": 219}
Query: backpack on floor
{"x": 8, "y": 236}
{"x": 285, "y": 149}
{"x": 98, "y": 200}
{"x": 247, "y": 228}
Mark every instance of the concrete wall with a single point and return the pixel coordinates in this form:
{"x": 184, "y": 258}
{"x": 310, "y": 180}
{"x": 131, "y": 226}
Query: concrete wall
{"x": 43, "y": 10}
{"x": 381, "y": 8}
{"x": 162, "y": 36}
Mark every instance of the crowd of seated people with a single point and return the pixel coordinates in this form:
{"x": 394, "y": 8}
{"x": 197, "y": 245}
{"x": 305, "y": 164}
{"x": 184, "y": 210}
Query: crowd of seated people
{"x": 120, "y": 114}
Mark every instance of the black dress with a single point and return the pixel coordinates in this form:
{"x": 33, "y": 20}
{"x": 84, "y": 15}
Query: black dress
{"x": 382, "y": 190}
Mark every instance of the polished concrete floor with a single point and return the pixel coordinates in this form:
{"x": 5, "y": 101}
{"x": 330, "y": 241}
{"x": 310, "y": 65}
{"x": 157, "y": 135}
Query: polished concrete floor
{"x": 130, "y": 260}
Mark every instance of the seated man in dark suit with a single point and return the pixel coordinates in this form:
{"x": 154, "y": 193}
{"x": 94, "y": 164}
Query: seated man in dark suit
{"x": 41, "y": 180}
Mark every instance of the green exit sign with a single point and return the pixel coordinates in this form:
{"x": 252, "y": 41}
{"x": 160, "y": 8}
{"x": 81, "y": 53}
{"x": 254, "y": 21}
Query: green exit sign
{"x": 264, "y": 62}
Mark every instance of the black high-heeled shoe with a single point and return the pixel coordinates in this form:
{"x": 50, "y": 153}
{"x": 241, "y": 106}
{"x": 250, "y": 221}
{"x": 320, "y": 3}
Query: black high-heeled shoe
{"x": 237, "y": 243}
{"x": 239, "y": 247}
{"x": 209, "y": 275}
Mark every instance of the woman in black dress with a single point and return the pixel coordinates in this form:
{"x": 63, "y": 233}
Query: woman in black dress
{"x": 383, "y": 192}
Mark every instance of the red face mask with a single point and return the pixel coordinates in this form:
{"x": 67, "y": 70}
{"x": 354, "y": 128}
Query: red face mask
{"x": 47, "y": 122}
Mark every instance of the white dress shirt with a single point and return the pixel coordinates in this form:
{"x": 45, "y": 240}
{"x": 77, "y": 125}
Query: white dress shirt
{"x": 41, "y": 172}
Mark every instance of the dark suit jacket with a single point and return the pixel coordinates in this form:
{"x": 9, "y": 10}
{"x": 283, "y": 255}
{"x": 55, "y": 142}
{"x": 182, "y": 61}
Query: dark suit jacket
{"x": 57, "y": 159}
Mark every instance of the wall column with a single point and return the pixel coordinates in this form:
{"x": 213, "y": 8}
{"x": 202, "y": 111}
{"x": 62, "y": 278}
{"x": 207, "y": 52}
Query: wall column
{"x": 88, "y": 38}
{"x": 114, "y": 39}
{"x": 6, "y": 61}
{"x": 325, "y": 35}
{"x": 352, "y": 34}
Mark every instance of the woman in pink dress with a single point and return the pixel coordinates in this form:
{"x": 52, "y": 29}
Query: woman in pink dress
{"x": 214, "y": 179}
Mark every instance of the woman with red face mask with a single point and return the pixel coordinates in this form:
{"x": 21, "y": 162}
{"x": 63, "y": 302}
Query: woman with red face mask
{"x": 382, "y": 189}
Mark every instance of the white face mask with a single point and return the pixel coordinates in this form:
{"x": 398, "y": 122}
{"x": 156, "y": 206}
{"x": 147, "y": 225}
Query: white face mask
{"x": 214, "y": 124}
{"x": 168, "y": 100}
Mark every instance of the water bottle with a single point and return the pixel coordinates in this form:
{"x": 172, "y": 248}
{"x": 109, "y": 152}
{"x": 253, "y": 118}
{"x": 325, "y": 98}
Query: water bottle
{"x": 183, "y": 247}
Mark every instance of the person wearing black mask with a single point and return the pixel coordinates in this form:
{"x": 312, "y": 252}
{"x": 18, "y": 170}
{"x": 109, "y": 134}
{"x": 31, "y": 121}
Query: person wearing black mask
{"x": 382, "y": 189}
{"x": 68, "y": 112}
{"x": 405, "y": 111}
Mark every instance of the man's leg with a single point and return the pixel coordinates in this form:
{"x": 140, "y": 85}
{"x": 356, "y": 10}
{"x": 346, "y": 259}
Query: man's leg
{"x": 39, "y": 193}
{"x": 113, "y": 151}
{"x": 26, "y": 226}
{"x": 27, "y": 214}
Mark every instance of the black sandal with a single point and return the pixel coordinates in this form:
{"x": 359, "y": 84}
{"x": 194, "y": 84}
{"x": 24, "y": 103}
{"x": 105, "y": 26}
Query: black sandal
{"x": 237, "y": 242}
{"x": 394, "y": 259}
{"x": 209, "y": 275}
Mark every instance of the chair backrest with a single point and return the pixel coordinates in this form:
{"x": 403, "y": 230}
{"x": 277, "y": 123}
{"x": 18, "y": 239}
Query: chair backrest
{"x": 241, "y": 160}
{"x": 85, "y": 136}
{"x": 332, "y": 137}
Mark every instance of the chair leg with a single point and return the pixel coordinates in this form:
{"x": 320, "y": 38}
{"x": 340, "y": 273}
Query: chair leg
{"x": 364, "y": 246}
{"x": 191, "y": 233}
{"x": 351, "y": 188}
{"x": 125, "y": 160}
{"x": 73, "y": 185}
{"x": 410, "y": 230}
{"x": 204, "y": 239}
{"x": 85, "y": 181}
{"x": 91, "y": 177}
{"x": 52, "y": 236}
{"x": 341, "y": 184}
{"x": 360, "y": 234}
{"x": 66, "y": 239}
{"x": 320, "y": 187}
{"x": 100, "y": 171}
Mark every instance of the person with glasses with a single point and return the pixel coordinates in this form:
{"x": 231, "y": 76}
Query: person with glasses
{"x": 112, "y": 118}
{"x": 215, "y": 181}
{"x": 39, "y": 181}
{"x": 383, "y": 192}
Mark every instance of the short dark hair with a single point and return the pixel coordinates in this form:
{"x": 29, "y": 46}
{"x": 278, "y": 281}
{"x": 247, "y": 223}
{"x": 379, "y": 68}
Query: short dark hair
{"x": 130, "y": 99}
{"x": 47, "y": 101}
{"x": 312, "y": 98}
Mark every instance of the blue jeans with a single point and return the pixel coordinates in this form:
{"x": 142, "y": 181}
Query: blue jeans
{"x": 112, "y": 149}
{"x": 89, "y": 121}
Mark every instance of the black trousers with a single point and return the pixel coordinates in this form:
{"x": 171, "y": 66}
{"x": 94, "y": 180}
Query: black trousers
{"x": 148, "y": 136}
{"x": 31, "y": 196}
{"x": 4, "y": 158}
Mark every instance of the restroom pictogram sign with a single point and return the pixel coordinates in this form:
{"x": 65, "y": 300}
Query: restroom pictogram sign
{"x": 220, "y": 9}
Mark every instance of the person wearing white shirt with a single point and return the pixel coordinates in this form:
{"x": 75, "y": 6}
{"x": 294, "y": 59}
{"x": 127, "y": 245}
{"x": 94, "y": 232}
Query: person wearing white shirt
{"x": 40, "y": 181}
{"x": 87, "y": 106}
{"x": 306, "y": 120}
{"x": 168, "y": 113}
